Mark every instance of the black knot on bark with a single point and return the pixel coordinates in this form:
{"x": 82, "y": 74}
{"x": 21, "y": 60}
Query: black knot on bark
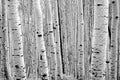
{"x": 54, "y": 27}
{"x": 58, "y": 74}
{"x": 113, "y": 2}
{"x": 23, "y": 76}
{"x": 42, "y": 51}
{"x": 107, "y": 62}
{"x": 39, "y": 35}
{"x": 112, "y": 46}
{"x": 50, "y": 31}
{"x": 41, "y": 57}
{"x": 80, "y": 44}
{"x": 37, "y": 32}
{"x": 99, "y": 4}
{"x": 16, "y": 66}
{"x": 116, "y": 17}
{"x": 44, "y": 75}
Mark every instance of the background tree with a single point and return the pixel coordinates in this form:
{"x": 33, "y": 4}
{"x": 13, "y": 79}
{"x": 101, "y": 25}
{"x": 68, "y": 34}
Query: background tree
{"x": 59, "y": 39}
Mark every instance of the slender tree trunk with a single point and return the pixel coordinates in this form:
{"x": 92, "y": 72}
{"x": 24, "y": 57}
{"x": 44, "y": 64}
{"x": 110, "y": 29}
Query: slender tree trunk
{"x": 99, "y": 40}
{"x": 88, "y": 15}
{"x": 114, "y": 39}
{"x": 63, "y": 35}
{"x": 6, "y": 70}
{"x": 29, "y": 37}
{"x": 81, "y": 74}
{"x": 18, "y": 64}
{"x": 118, "y": 72}
{"x": 50, "y": 39}
{"x": 41, "y": 50}
{"x": 55, "y": 8}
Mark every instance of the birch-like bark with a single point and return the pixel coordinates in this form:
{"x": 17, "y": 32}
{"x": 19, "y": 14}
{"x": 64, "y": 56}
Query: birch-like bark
{"x": 6, "y": 70}
{"x": 18, "y": 64}
{"x": 63, "y": 35}
{"x": 71, "y": 37}
{"x": 2, "y": 56}
{"x": 52, "y": 43}
{"x": 1, "y": 43}
{"x": 55, "y": 8}
{"x": 88, "y": 25}
{"x": 80, "y": 36}
{"x": 99, "y": 40}
{"x": 29, "y": 38}
{"x": 118, "y": 65}
{"x": 41, "y": 50}
{"x": 114, "y": 39}
{"x": 50, "y": 40}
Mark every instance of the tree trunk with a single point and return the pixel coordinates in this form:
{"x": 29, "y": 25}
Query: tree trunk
{"x": 113, "y": 39}
{"x": 18, "y": 64}
{"x": 99, "y": 40}
{"x": 59, "y": 39}
{"x": 41, "y": 50}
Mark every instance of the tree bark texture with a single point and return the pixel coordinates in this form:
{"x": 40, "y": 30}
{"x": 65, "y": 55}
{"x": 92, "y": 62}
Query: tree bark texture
{"x": 59, "y": 39}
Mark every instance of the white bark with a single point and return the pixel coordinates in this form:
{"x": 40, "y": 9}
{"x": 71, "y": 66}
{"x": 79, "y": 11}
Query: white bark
{"x": 118, "y": 75}
{"x": 4, "y": 34}
{"x": 63, "y": 35}
{"x": 99, "y": 40}
{"x": 50, "y": 40}
{"x": 80, "y": 41}
{"x": 55, "y": 8}
{"x": 41, "y": 50}
{"x": 18, "y": 65}
{"x": 114, "y": 39}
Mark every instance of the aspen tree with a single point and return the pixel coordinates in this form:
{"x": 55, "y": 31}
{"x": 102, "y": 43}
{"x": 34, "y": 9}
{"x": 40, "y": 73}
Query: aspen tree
{"x": 55, "y": 6}
{"x": 72, "y": 34}
{"x": 18, "y": 64}
{"x": 63, "y": 34}
{"x": 88, "y": 24}
{"x": 114, "y": 39}
{"x": 50, "y": 42}
{"x": 80, "y": 46}
{"x": 118, "y": 65}
{"x": 41, "y": 50}
{"x": 25, "y": 14}
{"x": 71, "y": 29}
{"x": 107, "y": 60}
{"x": 29, "y": 32}
{"x": 24, "y": 20}
{"x": 30, "y": 45}
{"x": 108, "y": 45}
{"x": 99, "y": 40}
{"x": 6, "y": 71}
{"x": 1, "y": 43}
{"x": 91, "y": 31}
